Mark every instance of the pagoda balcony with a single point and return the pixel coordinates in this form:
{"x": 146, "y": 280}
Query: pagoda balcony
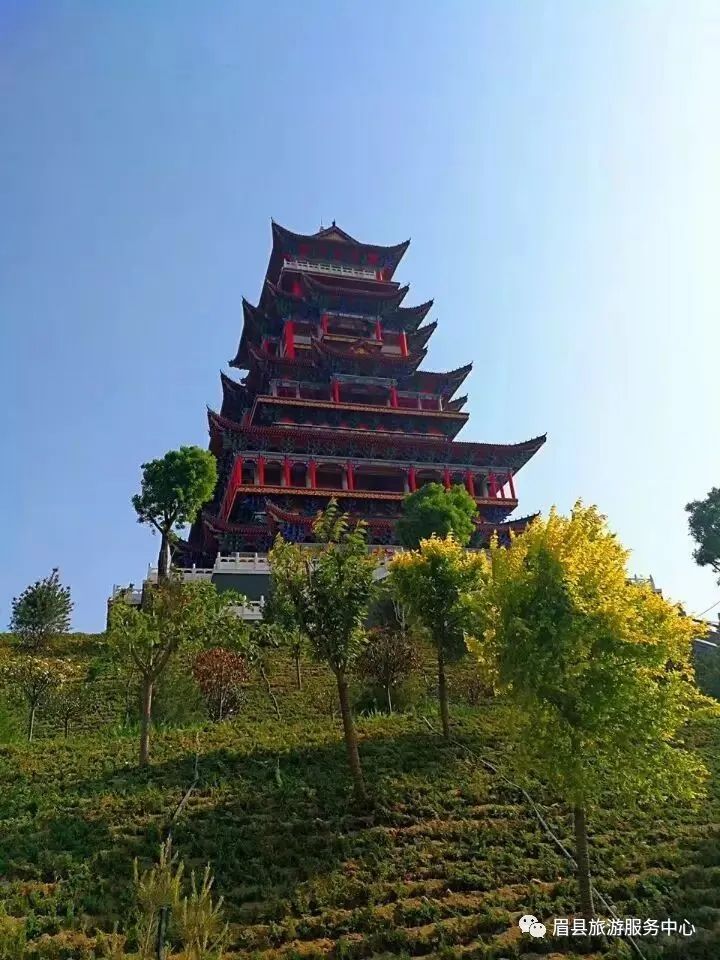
{"x": 355, "y": 271}
{"x": 391, "y": 408}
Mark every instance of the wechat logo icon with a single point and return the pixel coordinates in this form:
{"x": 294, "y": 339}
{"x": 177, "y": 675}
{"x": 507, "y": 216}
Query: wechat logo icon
{"x": 530, "y": 924}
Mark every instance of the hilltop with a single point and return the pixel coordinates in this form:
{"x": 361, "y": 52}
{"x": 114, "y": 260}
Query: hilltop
{"x": 441, "y": 864}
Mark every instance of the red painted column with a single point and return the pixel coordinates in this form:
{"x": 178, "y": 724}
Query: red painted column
{"x": 412, "y": 480}
{"x": 335, "y": 386}
{"x": 265, "y": 346}
{"x": 378, "y": 330}
{"x": 512, "y": 485}
{"x": 312, "y": 470}
{"x": 446, "y": 478}
{"x": 324, "y": 323}
{"x": 393, "y": 396}
{"x": 350, "y": 476}
{"x": 260, "y": 471}
{"x": 403, "y": 344}
{"x": 286, "y": 471}
{"x": 470, "y": 483}
{"x": 289, "y": 339}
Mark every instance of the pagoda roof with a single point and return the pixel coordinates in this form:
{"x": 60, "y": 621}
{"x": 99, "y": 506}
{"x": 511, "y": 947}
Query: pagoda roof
{"x": 407, "y": 318}
{"x": 235, "y": 395}
{"x": 364, "y": 351}
{"x": 500, "y": 455}
{"x": 456, "y": 404}
{"x": 444, "y": 384}
{"x": 255, "y": 321}
{"x": 420, "y": 337}
{"x": 331, "y": 243}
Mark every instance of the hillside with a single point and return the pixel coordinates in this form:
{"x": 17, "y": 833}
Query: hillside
{"x": 442, "y": 865}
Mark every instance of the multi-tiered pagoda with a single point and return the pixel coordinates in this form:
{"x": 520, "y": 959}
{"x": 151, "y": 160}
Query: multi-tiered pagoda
{"x": 335, "y": 403}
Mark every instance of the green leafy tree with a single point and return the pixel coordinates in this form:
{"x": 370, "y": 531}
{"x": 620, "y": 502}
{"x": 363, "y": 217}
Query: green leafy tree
{"x": 279, "y": 618}
{"x": 328, "y": 588}
{"x": 433, "y": 510}
{"x": 173, "y": 490}
{"x": 598, "y": 666}
{"x": 704, "y": 523}
{"x": 174, "y": 616}
{"x": 41, "y": 613}
{"x": 432, "y": 581}
{"x": 72, "y": 700}
{"x": 34, "y": 679}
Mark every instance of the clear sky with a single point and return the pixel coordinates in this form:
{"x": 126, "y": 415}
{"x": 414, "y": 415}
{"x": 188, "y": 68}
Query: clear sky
{"x": 555, "y": 164}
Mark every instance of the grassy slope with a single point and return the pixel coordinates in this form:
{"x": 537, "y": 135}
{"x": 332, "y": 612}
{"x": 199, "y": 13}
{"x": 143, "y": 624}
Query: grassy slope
{"x": 442, "y": 865}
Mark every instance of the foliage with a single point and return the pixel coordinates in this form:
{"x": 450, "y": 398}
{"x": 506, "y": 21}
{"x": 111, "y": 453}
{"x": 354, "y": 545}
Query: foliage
{"x": 434, "y": 511}
{"x": 41, "y": 613}
{"x": 391, "y": 652}
{"x": 34, "y": 679}
{"x": 432, "y": 581}
{"x": 173, "y": 489}
{"x": 195, "y": 920}
{"x": 443, "y": 865}
{"x": 221, "y": 674}
{"x": 600, "y": 666}
{"x": 174, "y": 615}
{"x": 71, "y": 701}
{"x": 704, "y": 523}
{"x": 327, "y": 589}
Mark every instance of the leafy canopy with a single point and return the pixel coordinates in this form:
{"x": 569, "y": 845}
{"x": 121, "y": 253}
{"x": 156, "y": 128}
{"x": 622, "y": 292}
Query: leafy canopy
{"x": 175, "y": 487}
{"x": 327, "y": 587}
{"x": 432, "y": 581}
{"x": 704, "y": 526}
{"x": 433, "y": 510}
{"x": 41, "y": 613}
{"x": 174, "y": 614}
{"x": 599, "y": 666}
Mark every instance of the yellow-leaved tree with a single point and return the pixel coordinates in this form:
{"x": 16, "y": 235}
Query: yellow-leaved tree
{"x": 432, "y": 581}
{"x": 598, "y": 666}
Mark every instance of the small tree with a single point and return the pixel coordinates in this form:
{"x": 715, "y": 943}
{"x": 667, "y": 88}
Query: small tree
{"x": 173, "y": 490}
{"x": 41, "y": 613}
{"x": 33, "y": 679}
{"x": 71, "y": 701}
{"x": 174, "y": 615}
{"x": 220, "y": 674}
{"x": 278, "y": 616}
{"x": 432, "y": 581}
{"x": 704, "y": 526}
{"x": 391, "y": 653}
{"x": 599, "y": 667}
{"x": 328, "y": 588}
{"x": 433, "y": 510}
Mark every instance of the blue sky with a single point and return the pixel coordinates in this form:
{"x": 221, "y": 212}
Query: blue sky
{"x": 555, "y": 165}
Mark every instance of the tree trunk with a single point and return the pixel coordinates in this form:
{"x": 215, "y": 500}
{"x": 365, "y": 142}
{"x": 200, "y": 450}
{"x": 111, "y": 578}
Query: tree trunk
{"x": 351, "y": 742}
{"x": 145, "y": 721}
{"x": 442, "y": 694}
{"x": 31, "y": 722}
{"x": 164, "y": 558}
{"x": 583, "y": 864}
{"x": 298, "y": 674}
{"x": 388, "y": 698}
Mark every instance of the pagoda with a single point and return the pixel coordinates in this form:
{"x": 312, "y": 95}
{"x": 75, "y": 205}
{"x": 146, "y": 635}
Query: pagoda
{"x": 335, "y": 403}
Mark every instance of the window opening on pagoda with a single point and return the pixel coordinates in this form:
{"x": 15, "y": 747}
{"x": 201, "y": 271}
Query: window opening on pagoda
{"x": 273, "y": 473}
{"x": 299, "y": 475}
{"x": 247, "y": 472}
{"x": 379, "y": 481}
{"x": 331, "y": 476}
